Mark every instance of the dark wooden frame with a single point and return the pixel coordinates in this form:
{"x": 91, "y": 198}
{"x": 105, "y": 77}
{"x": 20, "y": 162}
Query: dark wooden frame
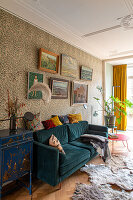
{"x": 81, "y": 73}
{"x": 51, "y": 86}
{"x": 72, "y": 93}
{"x": 50, "y": 53}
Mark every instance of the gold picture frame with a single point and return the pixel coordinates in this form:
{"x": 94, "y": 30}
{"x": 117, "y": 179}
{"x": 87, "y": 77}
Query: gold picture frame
{"x": 48, "y": 61}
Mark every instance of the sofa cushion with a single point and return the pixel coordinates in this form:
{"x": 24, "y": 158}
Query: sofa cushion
{"x": 35, "y": 124}
{"x": 92, "y": 132}
{"x": 74, "y": 156}
{"x": 56, "y": 121}
{"x": 48, "y": 124}
{"x": 54, "y": 142}
{"x": 60, "y": 132}
{"x": 77, "y": 117}
{"x": 64, "y": 119}
{"x": 79, "y": 143}
{"x": 75, "y": 130}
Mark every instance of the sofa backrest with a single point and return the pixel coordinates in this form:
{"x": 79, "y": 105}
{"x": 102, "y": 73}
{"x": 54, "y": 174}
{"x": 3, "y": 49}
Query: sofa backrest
{"x": 76, "y": 130}
{"x": 61, "y": 132}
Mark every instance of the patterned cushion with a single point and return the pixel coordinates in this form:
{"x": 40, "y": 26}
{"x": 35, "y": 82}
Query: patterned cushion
{"x": 56, "y": 121}
{"x": 35, "y": 124}
{"x": 64, "y": 119}
{"x": 54, "y": 142}
{"x": 74, "y": 117}
{"x": 48, "y": 124}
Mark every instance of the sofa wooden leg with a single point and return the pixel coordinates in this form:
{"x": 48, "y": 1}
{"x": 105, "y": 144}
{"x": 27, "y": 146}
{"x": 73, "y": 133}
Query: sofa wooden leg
{"x": 59, "y": 186}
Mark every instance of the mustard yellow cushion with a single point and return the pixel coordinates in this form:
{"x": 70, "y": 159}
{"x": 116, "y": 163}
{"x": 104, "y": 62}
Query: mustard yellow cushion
{"x": 74, "y": 117}
{"x": 73, "y": 120}
{"x": 56, "y": 121}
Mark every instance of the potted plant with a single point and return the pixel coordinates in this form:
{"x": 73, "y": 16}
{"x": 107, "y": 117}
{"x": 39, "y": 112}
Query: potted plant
{"x": 111, "y": 106}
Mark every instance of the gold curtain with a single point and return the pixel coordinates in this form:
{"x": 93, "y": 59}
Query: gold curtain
{"x": 120, "y": 79}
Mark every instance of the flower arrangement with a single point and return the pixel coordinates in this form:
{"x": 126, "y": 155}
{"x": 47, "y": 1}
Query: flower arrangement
{"x": 14, "y": 110}
{"x": 13, "y": 107}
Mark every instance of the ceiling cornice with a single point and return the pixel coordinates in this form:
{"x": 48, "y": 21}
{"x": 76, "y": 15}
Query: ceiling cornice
{"x": 56, "y": 35}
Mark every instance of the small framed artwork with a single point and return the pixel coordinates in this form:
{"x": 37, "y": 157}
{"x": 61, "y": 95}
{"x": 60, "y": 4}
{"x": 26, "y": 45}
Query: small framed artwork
{"x": 59, "y": 88}
{"x": 33, "y": 78}
{"x": 86, "y": 73}
{"x": 79, "y": 93}
{"x": 48, "y": 61}
{"x": 69, "y": 66}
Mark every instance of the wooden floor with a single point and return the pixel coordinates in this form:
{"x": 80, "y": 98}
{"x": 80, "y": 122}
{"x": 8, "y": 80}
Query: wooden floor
{"x": 43, "y": 191}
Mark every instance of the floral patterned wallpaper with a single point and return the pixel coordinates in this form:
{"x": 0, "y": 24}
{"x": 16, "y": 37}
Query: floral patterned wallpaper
{"x": 20, "y": 43}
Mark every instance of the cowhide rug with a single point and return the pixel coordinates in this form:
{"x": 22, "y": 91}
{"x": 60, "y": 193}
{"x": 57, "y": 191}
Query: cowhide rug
{"x": 118, "y": 171}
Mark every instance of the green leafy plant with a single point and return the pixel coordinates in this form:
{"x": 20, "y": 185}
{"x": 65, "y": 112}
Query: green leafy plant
{"x": 112, "y": 105}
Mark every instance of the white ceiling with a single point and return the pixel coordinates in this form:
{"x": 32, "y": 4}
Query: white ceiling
{"x": 77, "y": 22}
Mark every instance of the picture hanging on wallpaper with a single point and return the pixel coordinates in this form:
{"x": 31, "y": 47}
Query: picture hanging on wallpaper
{"x": 69, "y": 66}
{"x": 59, "y": 88}
{"x": 79, "y": 93}
{"x": 48, "y": 61}
{"x": 86, "y": 73}
{"x": 34, "y": 78}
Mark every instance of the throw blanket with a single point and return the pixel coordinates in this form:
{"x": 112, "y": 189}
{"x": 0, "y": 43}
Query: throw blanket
{"x": 98, "y": 142}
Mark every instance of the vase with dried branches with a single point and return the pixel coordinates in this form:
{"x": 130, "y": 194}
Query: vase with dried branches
{"x": 14, "y": 110}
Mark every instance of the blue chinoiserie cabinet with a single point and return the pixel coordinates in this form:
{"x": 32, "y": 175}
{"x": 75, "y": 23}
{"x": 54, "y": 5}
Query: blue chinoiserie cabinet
{"x": 15, "y": 156}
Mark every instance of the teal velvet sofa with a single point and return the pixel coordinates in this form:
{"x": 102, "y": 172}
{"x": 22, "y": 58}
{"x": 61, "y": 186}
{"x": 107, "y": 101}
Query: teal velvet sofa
{"x": 50, "y": 165}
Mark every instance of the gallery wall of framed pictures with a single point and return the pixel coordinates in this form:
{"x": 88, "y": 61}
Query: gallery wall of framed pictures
{"x": 49, "y": 62}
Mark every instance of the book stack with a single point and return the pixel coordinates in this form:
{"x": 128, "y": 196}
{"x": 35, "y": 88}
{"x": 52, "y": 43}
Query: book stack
{"x": 113, "y": 136}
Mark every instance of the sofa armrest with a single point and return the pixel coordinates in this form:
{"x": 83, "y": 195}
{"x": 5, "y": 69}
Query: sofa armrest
{"x": 98, "y": 128}
{"x": 101, "y": 133}
{"x": 46, "y": 163}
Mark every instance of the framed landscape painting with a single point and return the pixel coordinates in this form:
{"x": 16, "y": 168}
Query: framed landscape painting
{"x": 32, "y": 79}
{"x": 79, "y": 93}
{"x": 86, "y": 73}
{"x": 69, "y": 66}
{"x": 48, "y": 61}
{"x": 59, "y": 88}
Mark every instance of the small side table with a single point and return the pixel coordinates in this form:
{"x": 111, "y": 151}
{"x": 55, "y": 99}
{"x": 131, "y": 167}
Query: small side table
{"x": 15, "y": 156}
{"x": 121, "y": 137}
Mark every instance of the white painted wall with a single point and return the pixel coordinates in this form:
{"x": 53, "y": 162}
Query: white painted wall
{"x": 108, "y": 80}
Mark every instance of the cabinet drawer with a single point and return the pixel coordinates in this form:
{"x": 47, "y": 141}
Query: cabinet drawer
{"x": 16, "y": 139}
